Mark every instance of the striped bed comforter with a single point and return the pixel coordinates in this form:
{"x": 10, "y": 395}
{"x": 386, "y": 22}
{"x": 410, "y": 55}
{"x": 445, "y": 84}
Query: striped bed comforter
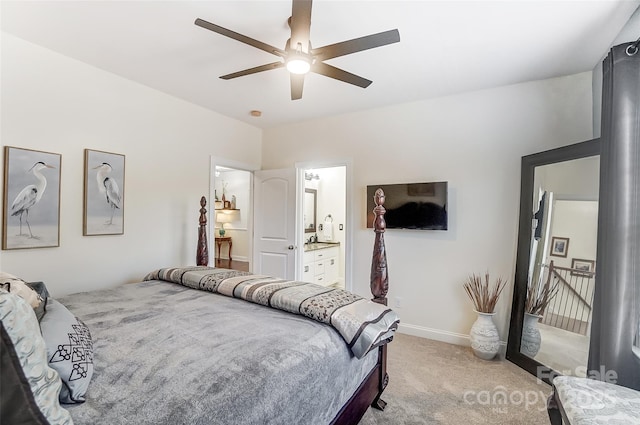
{"x": 363, "y": 324}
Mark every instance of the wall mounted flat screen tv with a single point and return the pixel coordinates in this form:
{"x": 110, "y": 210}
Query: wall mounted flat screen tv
{"x": 421, "y": 206}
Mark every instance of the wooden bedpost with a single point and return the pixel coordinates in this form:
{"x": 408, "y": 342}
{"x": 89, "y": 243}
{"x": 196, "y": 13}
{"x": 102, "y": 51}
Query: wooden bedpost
{"x": 380, "y": 286}
{"x": 379, "y": 277}
{"x": 202, "y": 256}
{"x": 372, "y": 387}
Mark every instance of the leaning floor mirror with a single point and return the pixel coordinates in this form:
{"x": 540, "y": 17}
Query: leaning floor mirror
{"x": 556, "y": 261}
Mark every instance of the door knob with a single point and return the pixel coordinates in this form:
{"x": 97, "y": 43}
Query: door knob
{"x": 291, "y": 247}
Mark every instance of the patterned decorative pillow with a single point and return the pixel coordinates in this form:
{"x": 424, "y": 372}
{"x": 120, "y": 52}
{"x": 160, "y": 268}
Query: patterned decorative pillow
{"x": 69, "y": 350}
{"x": 29, "y": 387}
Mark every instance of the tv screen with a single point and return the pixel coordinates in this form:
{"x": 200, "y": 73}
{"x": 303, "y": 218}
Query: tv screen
{"x": 420, "y": 206}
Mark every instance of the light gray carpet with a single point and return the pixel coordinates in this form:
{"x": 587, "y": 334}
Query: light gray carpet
{"x": 432, "y": 382}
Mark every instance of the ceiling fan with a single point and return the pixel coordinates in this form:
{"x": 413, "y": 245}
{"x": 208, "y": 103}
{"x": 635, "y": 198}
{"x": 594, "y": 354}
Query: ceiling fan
{"x": 299, "y": 57}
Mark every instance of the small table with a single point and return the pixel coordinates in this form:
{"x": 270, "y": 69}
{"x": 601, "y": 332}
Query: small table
{"x": 219, "y": 241}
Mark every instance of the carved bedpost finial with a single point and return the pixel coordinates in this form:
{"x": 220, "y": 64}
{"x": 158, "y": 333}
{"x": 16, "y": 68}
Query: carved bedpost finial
{"x": 379, "y": 277}
{"x": 202, "y": 255}
{"x": 379, "y": 225}
{"x": 203, "y": 211}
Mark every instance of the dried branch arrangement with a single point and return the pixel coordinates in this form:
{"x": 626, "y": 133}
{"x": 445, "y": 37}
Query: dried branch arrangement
{"x": 482, "y": 293}
{"x": 539, "y": 296}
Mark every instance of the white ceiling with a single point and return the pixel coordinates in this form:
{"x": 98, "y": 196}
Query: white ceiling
{"x": 446, "y": 47}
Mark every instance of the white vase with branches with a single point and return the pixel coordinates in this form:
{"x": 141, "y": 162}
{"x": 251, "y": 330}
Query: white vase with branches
{"x": 531, "y": 338}
{"x": 484, "y": 337}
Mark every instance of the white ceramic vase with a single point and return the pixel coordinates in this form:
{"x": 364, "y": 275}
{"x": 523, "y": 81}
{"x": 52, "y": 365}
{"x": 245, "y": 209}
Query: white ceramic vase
{"x": 530, "y": 343}
{"x": 485, "y": 341}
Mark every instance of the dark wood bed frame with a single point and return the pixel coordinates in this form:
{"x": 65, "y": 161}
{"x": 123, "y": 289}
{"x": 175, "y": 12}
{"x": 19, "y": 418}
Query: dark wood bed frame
{"x": 370, "y": 390}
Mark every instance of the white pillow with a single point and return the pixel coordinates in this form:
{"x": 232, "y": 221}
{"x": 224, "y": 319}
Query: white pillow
{"x": 4, "y": 276}
{"x": 17, "y": 286}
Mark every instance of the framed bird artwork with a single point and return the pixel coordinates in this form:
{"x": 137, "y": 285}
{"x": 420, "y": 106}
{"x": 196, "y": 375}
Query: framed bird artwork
{"x": 31, "y": 215}
{"x": 103, "y": 193}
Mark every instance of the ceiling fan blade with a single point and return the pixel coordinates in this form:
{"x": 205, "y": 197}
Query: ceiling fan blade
{"x": 267, "y": 67}
{"x": 339, "y": 74}
{"x": 297, "y": 82}
{"x": 241, "y": 38}
{"x": 300, "y": 24}
{"x": 356, "y": 45}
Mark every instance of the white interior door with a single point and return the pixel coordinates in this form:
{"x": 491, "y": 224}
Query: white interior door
{"x": 275, "y": 223}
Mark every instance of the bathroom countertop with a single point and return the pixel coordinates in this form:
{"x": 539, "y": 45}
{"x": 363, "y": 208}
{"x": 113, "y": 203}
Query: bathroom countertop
{"x": 319, "y": 245}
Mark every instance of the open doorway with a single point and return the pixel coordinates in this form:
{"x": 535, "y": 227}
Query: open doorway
{"x": 332, "y": 185}
{"x": 231, "y": 215}
{"x": 324, "y": 222}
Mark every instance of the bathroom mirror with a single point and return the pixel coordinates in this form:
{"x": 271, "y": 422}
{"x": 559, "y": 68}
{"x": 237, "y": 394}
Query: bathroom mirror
{"x": 310, "y": 208}
{"x": 556, "y": 254}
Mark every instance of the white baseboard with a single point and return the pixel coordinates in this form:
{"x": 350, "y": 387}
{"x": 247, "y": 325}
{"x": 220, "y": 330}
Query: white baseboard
{"x": 435, "y": 334}
{"x": 438, "y": 335}
{"x": 237, "y": 258}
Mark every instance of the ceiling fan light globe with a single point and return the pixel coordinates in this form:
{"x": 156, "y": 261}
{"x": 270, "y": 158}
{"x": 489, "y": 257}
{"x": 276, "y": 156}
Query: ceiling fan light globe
{"x": 298, "y": 66}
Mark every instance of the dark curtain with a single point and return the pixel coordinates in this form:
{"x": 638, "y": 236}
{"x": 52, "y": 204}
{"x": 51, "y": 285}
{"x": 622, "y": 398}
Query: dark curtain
{"x": 616, "y": 309}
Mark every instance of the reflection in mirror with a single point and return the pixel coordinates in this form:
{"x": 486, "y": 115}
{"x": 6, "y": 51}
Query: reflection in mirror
{"x": 561, "y": 272}
{"x": 310, "y": 208}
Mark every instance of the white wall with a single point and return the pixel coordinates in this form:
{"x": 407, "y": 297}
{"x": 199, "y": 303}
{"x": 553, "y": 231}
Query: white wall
{"x": 332, "y": 200}
{"x": 575, "y": 179}
{"x": 56, "y": 104}
{"x": 578, "y": 221}
{"x": 474, "y": 141}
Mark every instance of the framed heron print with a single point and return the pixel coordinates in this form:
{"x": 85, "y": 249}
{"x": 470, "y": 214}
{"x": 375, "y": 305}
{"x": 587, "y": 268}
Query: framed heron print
{"x": 103, "y": 193}
{"x": 31, "y": 207}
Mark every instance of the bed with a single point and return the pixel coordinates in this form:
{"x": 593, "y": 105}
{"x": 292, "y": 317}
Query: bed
{"x": 184, "y": 346}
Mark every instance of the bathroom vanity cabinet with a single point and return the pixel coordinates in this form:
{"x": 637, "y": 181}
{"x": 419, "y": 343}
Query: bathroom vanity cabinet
{"x": 321, "y": 263}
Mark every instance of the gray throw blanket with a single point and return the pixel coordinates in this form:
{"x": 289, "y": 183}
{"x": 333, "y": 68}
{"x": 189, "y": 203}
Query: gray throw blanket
{"x": 166, "y": 354}
{"x": 363, "y": 324}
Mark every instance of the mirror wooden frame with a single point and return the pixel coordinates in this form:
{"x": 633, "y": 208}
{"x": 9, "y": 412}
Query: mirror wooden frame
{"x": 529, "y": 164}
{"x": 314, "y": 193}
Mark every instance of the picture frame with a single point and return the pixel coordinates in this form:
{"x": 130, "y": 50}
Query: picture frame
{"x": 559, "y": 246}
{"x": 31, "y": 199}
{"x": 104, "y": 184}
{"x": 582, "y": 267}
